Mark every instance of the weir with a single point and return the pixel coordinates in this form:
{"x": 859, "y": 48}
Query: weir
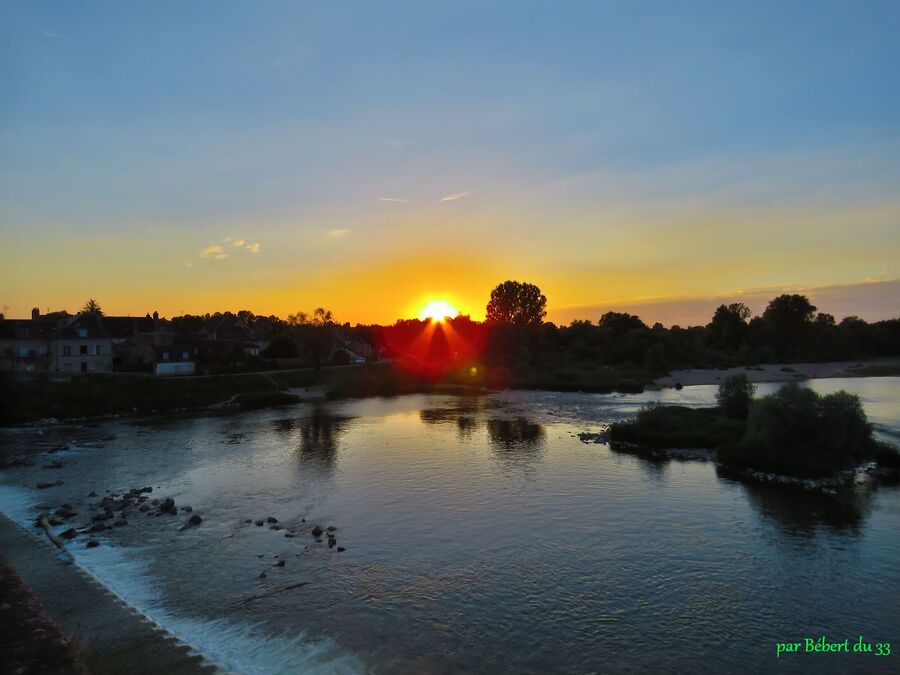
{"x": 116, "y": 637}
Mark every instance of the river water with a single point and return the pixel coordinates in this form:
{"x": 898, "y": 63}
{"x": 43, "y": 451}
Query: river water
{"x": 481, "y": 536}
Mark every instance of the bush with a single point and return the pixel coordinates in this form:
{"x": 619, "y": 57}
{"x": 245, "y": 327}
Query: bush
{"x": 796, "y": 431}
{"x": 735, "y": 395}
{"x": 678, "y": 427}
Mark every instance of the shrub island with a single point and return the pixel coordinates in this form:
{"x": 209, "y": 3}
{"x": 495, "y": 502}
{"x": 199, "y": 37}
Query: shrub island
{"x": 793, "y": 432}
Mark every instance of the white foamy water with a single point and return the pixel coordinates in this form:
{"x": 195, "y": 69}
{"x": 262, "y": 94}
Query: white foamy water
{"x": 232, "y": 646}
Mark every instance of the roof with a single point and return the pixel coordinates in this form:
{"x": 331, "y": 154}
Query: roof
{"x": 126, "y": 326}
{"x": 69, "y": 330}
{"x": 40, "y": 329}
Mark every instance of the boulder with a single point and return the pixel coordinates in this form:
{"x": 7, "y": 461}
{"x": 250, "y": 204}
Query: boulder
{"x": 316, "y": 531}
{"x": 193, "y": 521}
{"x": 92, "y": 543}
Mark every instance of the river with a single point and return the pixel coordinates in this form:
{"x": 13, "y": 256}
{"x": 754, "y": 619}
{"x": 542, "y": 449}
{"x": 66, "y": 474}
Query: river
{"x": 481, "y": 536}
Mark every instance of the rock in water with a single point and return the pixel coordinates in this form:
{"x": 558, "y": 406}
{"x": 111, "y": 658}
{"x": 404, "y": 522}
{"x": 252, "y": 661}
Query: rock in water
{"x": 271, "y": 519}
{"x": 317, "y": 531}
{"x": 92, "y": 543}
{"x": 69, "y": 534}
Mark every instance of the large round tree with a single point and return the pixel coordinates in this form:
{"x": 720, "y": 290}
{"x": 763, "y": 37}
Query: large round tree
{"x": 515, "y": 303}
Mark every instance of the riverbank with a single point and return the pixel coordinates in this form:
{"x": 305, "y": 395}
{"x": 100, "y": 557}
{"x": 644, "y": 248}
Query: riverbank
{"x": 94, "y": 396}
{"x": 782, "y": 372}
{"x": 110, "y": 636}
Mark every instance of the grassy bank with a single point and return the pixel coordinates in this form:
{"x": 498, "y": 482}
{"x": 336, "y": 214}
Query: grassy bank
{"x": 26, "y": 400}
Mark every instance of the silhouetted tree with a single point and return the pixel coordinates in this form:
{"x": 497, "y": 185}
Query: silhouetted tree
{"x": 729, "y": 325}
{"x": 514, "y": 303}
{"x": 91, "y": 307}
{"x": 282, "y": 347}
{"x": 789, "y": 317}
{"x": 619, "y": 323}
{"x": 735, "y": 395}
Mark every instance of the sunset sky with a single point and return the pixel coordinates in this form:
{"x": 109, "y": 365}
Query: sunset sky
{"x": 370, "y": 157}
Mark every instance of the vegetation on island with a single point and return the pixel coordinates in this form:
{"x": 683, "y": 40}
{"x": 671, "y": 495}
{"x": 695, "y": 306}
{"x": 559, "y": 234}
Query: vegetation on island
{"x": 794, "y": 431}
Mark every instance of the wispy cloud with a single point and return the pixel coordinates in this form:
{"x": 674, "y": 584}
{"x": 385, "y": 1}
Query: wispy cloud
{"x": 49, "y": 34}
{"x": 214, "y": 251}
{"x": 338, "y": 233}
{"x": 396, "y": 200}
{"x": 452, "y": 197}
{"x": 253, "y": 248}
{"x": 237, "y": 242}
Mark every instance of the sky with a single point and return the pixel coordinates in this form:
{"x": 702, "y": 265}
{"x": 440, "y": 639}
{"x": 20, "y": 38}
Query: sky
{"x": 657, "y": 158}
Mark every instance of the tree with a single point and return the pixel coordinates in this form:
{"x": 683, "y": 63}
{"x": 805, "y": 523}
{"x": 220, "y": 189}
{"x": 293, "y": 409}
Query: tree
{"x": 92, "y": 307}
{"x": 619, "y": 323}
{"x": 298, "y": 319}
{"x": 515, "y": 303}
{"x": 790, "y": 317}
{"x": 735, "y": 395}
{"x": 729, "y": 325}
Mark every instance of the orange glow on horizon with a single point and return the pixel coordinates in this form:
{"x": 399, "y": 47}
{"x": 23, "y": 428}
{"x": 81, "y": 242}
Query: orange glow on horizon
{"x": 438, "y": 310}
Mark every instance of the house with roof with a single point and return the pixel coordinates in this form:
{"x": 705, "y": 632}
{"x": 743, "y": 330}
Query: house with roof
{"x": 25, "y": 343}
{"x": 174, "y": 360}
{"x": 81, "y": 344}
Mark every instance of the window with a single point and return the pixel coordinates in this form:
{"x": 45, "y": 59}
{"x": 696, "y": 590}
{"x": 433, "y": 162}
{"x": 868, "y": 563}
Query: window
{"x": 22, "y": 332}
{"x": 23, "y": 352}
{"x": 67, "y": 350}
{"x": 98, "y": 350}
{"x": 165, "y": 356}
{"x": 82, "y": 332}
{"x": 83, "y": 350}
{"x": 185, "y": 356}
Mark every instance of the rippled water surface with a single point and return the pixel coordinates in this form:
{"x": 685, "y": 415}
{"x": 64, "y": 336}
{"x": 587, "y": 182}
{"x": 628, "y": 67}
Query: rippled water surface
{"x": 481, "y": 535}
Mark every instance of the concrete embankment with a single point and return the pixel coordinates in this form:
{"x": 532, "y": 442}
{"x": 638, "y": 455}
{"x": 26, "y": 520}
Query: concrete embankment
{"x": 113, "y": 637}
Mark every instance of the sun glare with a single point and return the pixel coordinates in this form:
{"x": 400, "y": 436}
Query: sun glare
{"x": 438, "y": 310}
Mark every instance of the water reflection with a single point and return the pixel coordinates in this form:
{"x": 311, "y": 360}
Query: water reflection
{"x": 463, "y": 412}
{"x": 802, "y": 515}
{"x": 316, "y": 436}
{"x": 517, "y": 439}
{"x": 518, "y": 434}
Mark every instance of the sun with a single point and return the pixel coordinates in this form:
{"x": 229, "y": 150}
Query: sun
{"x": 438, "y": 310}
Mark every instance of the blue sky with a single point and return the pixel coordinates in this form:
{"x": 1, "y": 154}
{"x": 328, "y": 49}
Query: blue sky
{"x": 610, "y": 152}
